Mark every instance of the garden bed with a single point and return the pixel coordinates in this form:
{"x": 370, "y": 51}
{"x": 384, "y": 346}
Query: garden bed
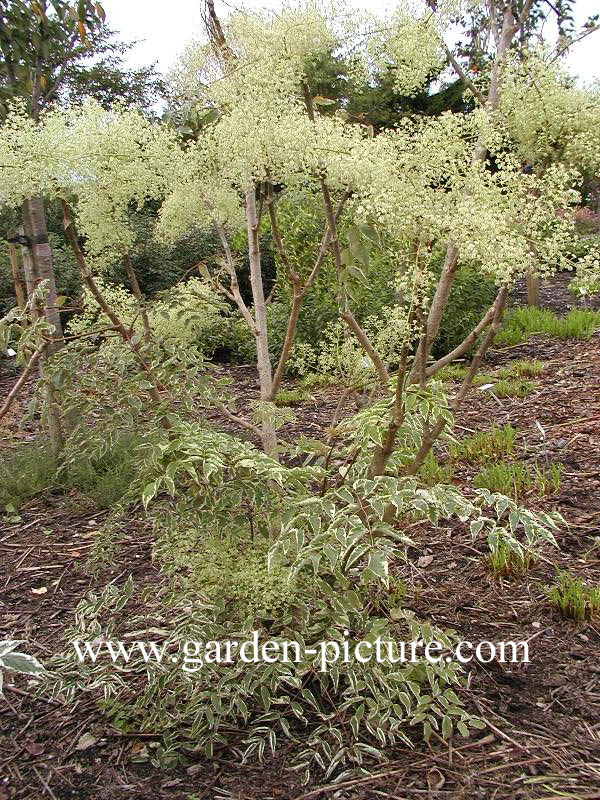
{"x": 543, "y": 734}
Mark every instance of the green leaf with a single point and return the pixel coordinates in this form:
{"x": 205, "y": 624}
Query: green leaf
{"x": 446, "y": 727}
{"x": 21, "y": 662}
{"x": 361, "y": 253}
{"x": 378, "y": 564}
{"x": 8, "y": 645}
{"x": 332, "y": 555}
{"x": 354, "y": 236}
{"x": 148, "y": 493}
{"x": 370, "y": 232}
{"x": 347, "y": 256}
{"x": 427, "y": 730}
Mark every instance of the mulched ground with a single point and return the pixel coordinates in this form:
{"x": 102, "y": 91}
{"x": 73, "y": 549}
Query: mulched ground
{"x": 543, "y": 735}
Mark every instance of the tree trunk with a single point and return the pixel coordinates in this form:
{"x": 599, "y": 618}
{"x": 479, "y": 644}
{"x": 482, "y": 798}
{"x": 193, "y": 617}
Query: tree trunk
{"x": 263, "y": 360}
{"x": 32, "y": 279}
{"x": 16, "y": 273}
{"x": 28, "y": 268}
{"x": 533, "y": 290}
{"x": 34, "y": 221}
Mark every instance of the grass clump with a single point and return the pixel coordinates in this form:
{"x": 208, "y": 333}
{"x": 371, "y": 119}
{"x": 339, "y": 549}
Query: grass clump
{"x": 431, "y": 472}
{"x": 573, "y": 599}
{"x": 287, "y": 398}
{"x": 316, "y": 380}
{"x": 29, "y": 470}
{"x": 485, "y": 445}
{"x": 516, "y": 479}
{"x": 451, "y": 372}
{"x": 506, "y": 561}
{"x": 482, "y": 379}
{"x": 32, "y": 469}
{"x": 513, "y": 387}
{"x": 458, "y": 372}
{"x": 524, "y": 322}
{"x": 523, "y": 368}
{"x": 104, "y": 479}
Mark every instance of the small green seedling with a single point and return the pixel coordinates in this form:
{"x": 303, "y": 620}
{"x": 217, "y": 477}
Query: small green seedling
{"x": 287, "y": 398}
{"x": 432, "y": 472}
{"x": 516, "y": 479}
{"x": 513, "y": 387}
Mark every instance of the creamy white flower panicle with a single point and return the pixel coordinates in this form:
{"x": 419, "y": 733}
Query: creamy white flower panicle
{"x": 106, "y": 160}
{"x": 548, "y": 117}
{"x": 419, "y": 182}
{"x": 411, "y": 46}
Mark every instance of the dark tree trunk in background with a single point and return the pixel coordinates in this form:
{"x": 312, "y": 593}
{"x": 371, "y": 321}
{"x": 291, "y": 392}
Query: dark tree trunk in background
{"x": 34, "y": 221}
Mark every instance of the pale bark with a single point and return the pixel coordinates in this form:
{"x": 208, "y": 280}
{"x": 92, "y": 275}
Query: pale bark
{"x": 431, "y": 435}
{"x": 503, "y": 35}
{"x": 234, "y": 294}
{"x": 263, "y": 359}
{"x": 33, "y": 277}
{"x": 29, "y": 272}
{"x": 466, "y": 344}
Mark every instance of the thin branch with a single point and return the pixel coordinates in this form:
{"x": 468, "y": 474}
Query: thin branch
{"x": 19, "y": 384}
{"x": 462, "y": 74}
{"x": 564, "y": 49}
{"x": 366, "y": 345}
{"x": 291, "y": 274}
{"x": 243, "y": 423}
{"x": 61, "y": 75}
{"x": 525, "y": 11}
{"x": 71, "y": 234}
{"x": 465, "y": 345}
{"x": 431, "y": 435}
{"x": 299, "y": 291}
{"x": 235, "y": 294}
{"x": 325, "y": 241}
{"x": 135, "y": 288}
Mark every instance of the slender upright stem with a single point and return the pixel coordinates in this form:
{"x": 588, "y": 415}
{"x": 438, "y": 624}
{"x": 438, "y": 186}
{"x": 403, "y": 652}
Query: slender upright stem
{"x": 127, "y": 335}
{"x": 263, "y": 359}
{"x": 135, "y": 288}
{"x": 14, "y": 268}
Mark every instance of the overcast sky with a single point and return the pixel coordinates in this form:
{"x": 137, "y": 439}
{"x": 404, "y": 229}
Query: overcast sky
{"x": 163, "y": 29}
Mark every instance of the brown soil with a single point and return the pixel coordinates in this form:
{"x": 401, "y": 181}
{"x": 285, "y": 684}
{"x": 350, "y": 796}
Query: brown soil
{"x": 543, "y": 739}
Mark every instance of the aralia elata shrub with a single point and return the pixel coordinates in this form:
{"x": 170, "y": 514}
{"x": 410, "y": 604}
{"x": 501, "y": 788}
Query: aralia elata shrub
{"x": 450, "y": 189}
{"x": 331, "y": 561}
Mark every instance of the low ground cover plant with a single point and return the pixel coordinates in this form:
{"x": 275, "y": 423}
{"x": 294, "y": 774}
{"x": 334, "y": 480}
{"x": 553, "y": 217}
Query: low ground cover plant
{"x": 516, "y": 478}
{"x": 513, "y": 387}
{"x": 521, "y": 323}
{"x": 485, "y": 446}
{"x": 574, "y": 599}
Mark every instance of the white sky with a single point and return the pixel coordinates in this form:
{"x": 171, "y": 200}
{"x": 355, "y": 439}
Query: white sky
{"x": 163, "y": 29}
